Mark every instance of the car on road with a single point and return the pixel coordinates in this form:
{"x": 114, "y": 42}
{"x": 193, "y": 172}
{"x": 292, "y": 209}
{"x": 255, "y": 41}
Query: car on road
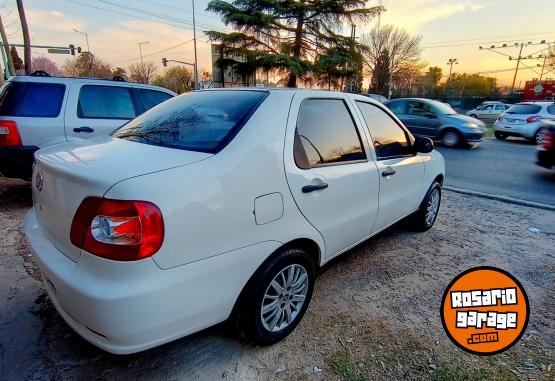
{"x": 220, "y": 204}
{"x": 488, "y": 112}
{"x": 546, "y": 152}
{"x": 524, "y": 120}
{"x": 39, "y": 110}
{"x": 437, "y": 120}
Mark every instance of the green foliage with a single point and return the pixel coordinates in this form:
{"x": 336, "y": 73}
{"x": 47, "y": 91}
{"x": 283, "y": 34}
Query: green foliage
{"x": 279, "y": 34}
{"x": 471, "y": 84}
{"x": 176, "y": 78}
{"x": 430, "y": 81}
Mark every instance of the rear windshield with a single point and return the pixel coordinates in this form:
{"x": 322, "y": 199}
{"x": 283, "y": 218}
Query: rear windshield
{"x": 204, "y": 121}
{"x": 524, "y": 109}
{"x": 31, "y": 99}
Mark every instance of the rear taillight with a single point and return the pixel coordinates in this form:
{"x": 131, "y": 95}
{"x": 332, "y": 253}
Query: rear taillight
{"x": 116, "y": 229}
{"x": 533, "y": 119}
{"x": 548, "y": 139}
{"x": 9, "y": 134}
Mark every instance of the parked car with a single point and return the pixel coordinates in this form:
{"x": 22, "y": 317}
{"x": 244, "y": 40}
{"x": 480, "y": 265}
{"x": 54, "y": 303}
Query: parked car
{"x": 524, "y": 120}
{"x": 546, "y": 153}
{"x": 38, "y": 110}
{"x": 437, "y": 120}
{"x": 488, "y": 112}
{"x": 378, "y": 97}
{"x": 261, "y": 187}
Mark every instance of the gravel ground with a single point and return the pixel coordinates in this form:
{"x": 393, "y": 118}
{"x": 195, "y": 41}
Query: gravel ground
{"x": 374, "y": 314}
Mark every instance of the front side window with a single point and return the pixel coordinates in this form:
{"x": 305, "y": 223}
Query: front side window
{"x": 397, "y": 107}
{"x": 551, "y": 109}
{"x": 326, "y": 134}
{"x": 417, "y": 108}
{"x": 31, "y": 99}
{"x": 152, "y": 98}
{"x": 202, "y": 121}
{"x": 105, "y": 102}
{"x": 500, "y": 107}
{"x": 390, "y": 140}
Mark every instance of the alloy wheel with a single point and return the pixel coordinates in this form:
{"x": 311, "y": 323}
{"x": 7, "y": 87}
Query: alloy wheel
{"x": 432, "y": 207}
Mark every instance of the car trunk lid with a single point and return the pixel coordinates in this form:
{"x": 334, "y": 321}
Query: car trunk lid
{"x": 65, "y": 174}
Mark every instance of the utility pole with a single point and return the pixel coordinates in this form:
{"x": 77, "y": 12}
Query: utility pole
{"x": 143, "y": 76}
{"x": 91, "y": 73}
{"x": 26, "y": 39}
{"x": 195, "y": 46}
{"x": 10, "y": 67}
{"x": 517, "y": 65}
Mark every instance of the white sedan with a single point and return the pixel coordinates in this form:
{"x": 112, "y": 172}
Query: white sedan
{"x": 220, "y": 205}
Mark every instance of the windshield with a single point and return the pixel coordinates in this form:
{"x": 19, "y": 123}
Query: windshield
{"x": 442, "y": 108}
{"x": 524, "y": 108}
{"x": 201, "y": 121}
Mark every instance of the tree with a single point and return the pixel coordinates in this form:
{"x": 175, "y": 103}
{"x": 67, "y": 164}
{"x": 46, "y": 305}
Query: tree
{"x": 406, "y": 79}
{"x": 176, "y": 78}
{"x": 390, "y": 49}
{"x": 119, "y": 72}
{"x": 381, "y": 74}
{"x": 17, "y": 61}
{"x": 141, "y": 73}
{"x": 79, "y": 66}
{"x": 472, "y": 84}
{"x": 430, "y": 81}
{"x": 284, "y": 35}
{"x": 47, "y": 65}
{"x": 10, "y": 68}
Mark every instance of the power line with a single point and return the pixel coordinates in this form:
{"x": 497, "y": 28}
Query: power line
{"x": 157, "y": 52}
{"x": 487, "y": 38}
{"x": 473, "y": 43}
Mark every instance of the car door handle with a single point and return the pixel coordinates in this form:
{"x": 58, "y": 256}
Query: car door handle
{"x": 83, "y": 129}
{"x": 312, "y": 188}
{"x": 388, "y": 172}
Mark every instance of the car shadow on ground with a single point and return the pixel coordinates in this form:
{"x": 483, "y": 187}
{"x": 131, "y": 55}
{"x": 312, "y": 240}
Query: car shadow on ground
{"x": 15, "y": 194}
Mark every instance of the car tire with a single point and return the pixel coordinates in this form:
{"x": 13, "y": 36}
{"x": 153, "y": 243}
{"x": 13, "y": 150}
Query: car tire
{"x": 426, "y": 215}
{"x": 538, "y": 137}
{"x": 263, "y": 328}
{"x": 451, "y": 138}
{"x": 500, "y": 135}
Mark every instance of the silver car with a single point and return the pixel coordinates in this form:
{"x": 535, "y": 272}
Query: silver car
{"x": 524, "y": 120}
{"x": 488, "y": 112}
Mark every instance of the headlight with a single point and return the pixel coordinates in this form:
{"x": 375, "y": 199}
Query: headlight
{"x": 472, "y": 125}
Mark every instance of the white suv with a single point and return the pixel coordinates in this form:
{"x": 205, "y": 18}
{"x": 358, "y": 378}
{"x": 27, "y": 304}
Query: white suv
{"x": 220, "y": 204}
{"x": 38, "y": 110}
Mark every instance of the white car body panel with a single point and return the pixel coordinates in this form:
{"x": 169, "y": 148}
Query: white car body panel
{"x": 224, "y": 215}
{"x": 516, "y": 123}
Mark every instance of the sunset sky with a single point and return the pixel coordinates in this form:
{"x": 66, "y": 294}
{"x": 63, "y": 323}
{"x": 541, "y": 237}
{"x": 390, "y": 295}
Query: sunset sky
{"x": 450, "y": 29}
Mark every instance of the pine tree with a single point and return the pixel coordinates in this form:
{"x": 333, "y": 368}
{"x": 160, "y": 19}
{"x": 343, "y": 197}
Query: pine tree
{"x": 284, "y": 35}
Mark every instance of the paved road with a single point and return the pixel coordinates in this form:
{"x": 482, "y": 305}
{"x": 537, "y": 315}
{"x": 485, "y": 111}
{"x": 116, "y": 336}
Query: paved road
{"x": 504, "y": 168}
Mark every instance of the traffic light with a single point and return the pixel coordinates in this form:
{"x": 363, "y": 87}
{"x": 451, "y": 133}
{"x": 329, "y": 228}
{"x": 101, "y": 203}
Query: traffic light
{"x": 164, "y": 62}
{"x": 78, "y": 49}
{"x": 72, "y": 49}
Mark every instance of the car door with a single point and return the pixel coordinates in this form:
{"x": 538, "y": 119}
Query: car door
{"x": 330, "y": 174}
{"x": 95, "y": 109}
{"x": 150, "y": 98}
{"x": 401, "y": 170}
{"x": 421, "y": 119}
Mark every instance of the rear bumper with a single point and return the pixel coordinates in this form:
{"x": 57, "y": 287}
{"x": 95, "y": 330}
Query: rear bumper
{"x": 17, "y": 162}
{"x": 525, "y": 130}
{"x": 128, "y": 307}
{"x": 546, "y": 158}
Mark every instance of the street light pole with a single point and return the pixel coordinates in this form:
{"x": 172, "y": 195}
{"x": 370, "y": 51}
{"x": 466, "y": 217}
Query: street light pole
{"x": 517, "y": 65}
{"x": 88, "y": 51}
{"x": 195, "y": 46}
{"x": 143, "y": 77}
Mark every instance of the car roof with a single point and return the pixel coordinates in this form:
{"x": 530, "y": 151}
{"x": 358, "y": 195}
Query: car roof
{"x": 67, "y": 80}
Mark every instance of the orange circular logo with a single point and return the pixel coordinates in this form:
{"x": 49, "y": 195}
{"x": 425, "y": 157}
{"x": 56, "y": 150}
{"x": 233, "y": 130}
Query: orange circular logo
{"x": 485, "y": 310}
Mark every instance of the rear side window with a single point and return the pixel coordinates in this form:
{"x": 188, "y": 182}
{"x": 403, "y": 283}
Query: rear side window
{"x": 523, "y": 108}
{"x": 551, "y": 109}
{"x": 202, "y": 121}
{"x": 326, "y": 134}
{"x": 31, "y": 99}
{"x": 152, "y": 98}
{"x": 390, "y": 140}
{"x": 105, "y": 102}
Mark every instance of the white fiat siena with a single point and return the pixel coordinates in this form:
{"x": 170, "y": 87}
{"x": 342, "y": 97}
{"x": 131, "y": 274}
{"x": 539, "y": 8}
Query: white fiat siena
{"x": 217, "y": 205}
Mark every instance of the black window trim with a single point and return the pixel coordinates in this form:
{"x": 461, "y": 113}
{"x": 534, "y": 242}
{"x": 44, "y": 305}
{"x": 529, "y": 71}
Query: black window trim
{"x": 136, "y": 107}
{"x": 348, "y": 162}
{"x": 403, "y": 128}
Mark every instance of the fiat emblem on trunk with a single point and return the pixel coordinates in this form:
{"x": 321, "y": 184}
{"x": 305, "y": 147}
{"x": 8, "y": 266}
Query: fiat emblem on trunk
{"x": 39, "y": 180}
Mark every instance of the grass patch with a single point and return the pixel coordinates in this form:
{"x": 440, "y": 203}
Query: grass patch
{"x": 343, "y": 364}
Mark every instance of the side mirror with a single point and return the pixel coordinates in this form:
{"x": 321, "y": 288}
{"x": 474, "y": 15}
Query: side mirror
{"x": 430, "y": 115}
{"x": 423, "y": 145}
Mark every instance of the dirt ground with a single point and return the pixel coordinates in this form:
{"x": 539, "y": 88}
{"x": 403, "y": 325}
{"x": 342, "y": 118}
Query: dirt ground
{"x": 374, "y": 314}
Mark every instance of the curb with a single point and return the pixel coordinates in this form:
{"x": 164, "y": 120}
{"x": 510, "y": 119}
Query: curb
{"x": 509, "y": 200}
